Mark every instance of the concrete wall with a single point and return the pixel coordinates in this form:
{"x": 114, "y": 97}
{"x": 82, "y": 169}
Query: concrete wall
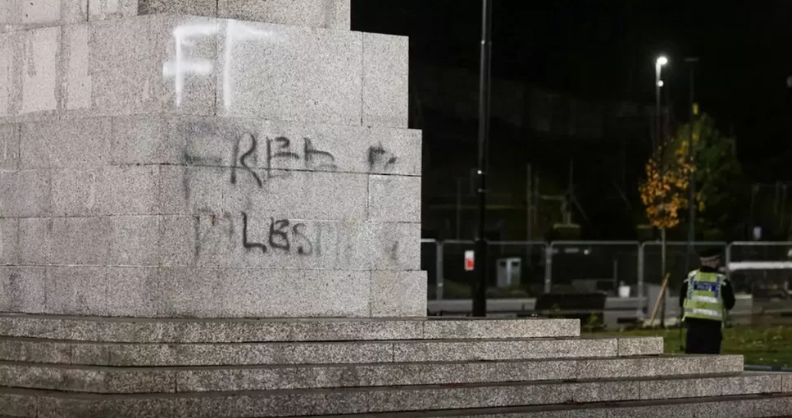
{"x": 167, "y": 166}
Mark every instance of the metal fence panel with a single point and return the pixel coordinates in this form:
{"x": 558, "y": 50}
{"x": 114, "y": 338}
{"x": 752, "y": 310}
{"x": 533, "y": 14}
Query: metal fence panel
{"x": 526, "y": 280}
{"x": 456, "y": 281}
{"x": 763, "y": 269}
{"x": 681, "y": 258}
{"x": 595, "y": 265}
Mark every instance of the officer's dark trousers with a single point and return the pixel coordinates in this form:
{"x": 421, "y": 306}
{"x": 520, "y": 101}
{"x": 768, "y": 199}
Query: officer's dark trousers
{"x": 703, "y": 336}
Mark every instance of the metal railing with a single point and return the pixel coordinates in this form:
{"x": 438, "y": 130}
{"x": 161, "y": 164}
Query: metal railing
{"x": 552, "y": 266}
{"x": 767, "y": 263}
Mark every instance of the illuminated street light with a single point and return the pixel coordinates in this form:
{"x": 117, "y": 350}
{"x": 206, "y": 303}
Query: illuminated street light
{"x": 659, "y": 64}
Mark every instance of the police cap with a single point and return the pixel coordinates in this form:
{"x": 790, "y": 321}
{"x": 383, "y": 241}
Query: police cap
{"x": 709, "y": 254}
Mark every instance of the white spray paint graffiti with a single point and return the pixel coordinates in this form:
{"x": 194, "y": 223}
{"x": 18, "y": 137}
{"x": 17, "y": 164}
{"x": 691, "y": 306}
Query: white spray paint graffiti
{"x": 186, "y": 36}
{"x": 181, "y": 67}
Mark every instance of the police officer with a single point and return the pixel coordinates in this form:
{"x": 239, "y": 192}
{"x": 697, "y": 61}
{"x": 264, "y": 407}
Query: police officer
{"x": 705, "y": 297}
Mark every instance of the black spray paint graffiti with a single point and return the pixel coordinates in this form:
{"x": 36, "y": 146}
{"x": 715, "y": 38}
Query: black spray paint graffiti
{"x": 282, "y": 236}
{"x": 279, "y": 150}
{"x": 245, "y": 242}
{"x": 281, "y": 154}
{"x": 318, "y": 160}
{"x": 243, "y": 161}
{"x": 379, "y": 159}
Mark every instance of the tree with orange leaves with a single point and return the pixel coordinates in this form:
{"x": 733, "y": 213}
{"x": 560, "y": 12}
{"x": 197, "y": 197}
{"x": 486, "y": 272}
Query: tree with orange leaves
{"x": 714, "y": 166}
{"x": 664, "y": 192}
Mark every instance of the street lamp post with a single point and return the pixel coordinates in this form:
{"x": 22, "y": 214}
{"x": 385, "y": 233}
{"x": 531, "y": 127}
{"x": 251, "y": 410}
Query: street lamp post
{"x": 659, "y": 64}
{"x": 480, "y": 287}
{"x": 691, "y": 158}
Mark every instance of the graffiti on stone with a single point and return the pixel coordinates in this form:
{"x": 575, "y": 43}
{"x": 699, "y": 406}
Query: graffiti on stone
{"x": 380, "y": 159}
{"x": 279, "y": 154}
{"x": 243, "y": 160}
{"x": 187, "y": 43}
{"x": 256, "y": 160}
{"x": 283, "y": 235}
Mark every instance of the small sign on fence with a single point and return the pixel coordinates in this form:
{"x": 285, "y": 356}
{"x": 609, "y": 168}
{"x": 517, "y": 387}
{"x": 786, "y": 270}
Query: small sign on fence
{"x": 470, "y": 260}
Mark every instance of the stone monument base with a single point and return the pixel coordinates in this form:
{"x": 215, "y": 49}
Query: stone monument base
{"x": 69, "y": 367}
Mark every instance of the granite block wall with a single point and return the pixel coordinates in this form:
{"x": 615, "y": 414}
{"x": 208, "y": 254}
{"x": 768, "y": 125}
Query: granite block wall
{"x": 16, "y": 15}
{"x": 204, "y": 66}
{"x": 154, "y": 164}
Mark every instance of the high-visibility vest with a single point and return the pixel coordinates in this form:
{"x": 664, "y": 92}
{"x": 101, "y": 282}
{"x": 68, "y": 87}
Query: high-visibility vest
{"x": 704, "y": 299}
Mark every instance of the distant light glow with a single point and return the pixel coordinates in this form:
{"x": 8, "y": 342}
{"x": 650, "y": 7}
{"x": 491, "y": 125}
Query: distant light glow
{"x": 662, "y": 60}
{"x": 760, "y": 265}
{"x": 660, "y": 83}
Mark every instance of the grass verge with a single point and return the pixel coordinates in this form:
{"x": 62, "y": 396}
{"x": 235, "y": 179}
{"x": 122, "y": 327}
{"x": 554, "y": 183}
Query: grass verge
{"x": 767, "y": 346}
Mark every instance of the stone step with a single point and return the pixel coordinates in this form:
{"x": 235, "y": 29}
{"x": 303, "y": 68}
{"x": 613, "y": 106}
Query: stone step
{"x": 257, "y": 378}
{"x": 748, "y": 406}
{"x": 111, "y": 330}
{"x": 34, "y": 403}
{"x": 218, "y": 354}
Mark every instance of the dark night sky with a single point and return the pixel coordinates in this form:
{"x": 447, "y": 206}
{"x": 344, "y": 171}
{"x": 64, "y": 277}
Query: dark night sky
{"x": 606, "y": 49}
